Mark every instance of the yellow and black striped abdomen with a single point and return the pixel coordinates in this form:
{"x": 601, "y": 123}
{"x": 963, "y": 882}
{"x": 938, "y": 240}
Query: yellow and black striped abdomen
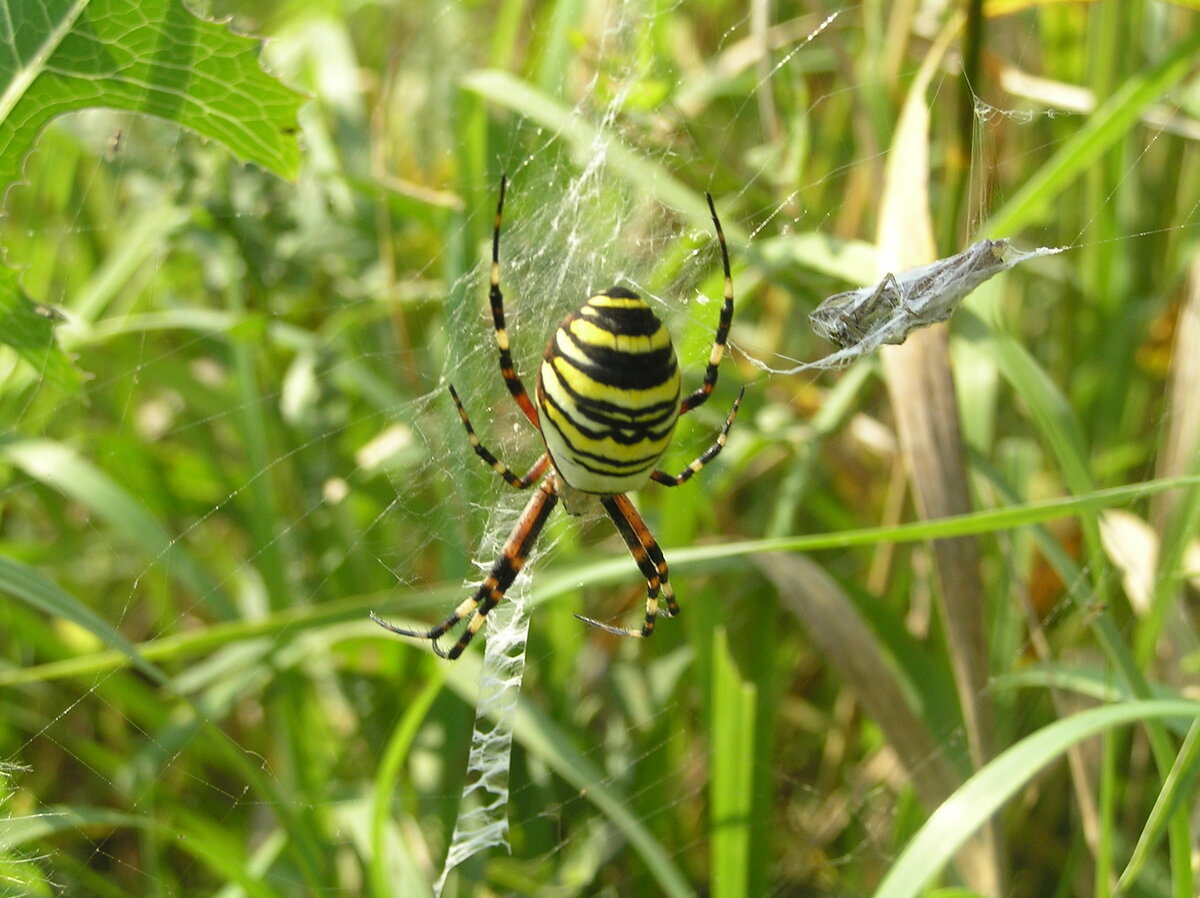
{"x": 608, "y": 393}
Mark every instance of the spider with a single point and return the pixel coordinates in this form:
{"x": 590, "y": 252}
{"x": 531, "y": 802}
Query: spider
{"x": 607, "y": 402}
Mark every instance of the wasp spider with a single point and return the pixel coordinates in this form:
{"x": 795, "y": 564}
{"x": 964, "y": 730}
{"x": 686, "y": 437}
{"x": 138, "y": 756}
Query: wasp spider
{"x": 607, "y": 402}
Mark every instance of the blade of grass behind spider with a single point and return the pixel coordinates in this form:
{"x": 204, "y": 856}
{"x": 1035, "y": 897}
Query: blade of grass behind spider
{"x": 988, "y": 790}
{"x": 1175, "y": 518}
{"x": 645, "y": 175}
{"x": 922, "y": 395}
{"x": 557, "y": 582}
{"x": 541, "y": 737}
{"x": 731, "y": 792}
{"x": 1106, "y": 125}
{"x": 883, "y": 681}
{"x": 1062, "y": 431}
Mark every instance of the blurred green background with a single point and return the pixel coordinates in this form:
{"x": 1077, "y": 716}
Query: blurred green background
{"x": 256, "y": 447}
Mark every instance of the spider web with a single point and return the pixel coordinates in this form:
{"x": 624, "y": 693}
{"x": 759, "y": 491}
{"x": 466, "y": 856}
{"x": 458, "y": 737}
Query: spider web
{"x": 572, "y": 248}
{"x": 574, "y": 223}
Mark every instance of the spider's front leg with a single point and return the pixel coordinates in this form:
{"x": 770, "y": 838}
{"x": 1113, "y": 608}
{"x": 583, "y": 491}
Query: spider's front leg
{"x": 496, "y": 300}
{"x": 705, "y": 457}
{"x": 512, "y": 558}
{"x": 700, "y": 396}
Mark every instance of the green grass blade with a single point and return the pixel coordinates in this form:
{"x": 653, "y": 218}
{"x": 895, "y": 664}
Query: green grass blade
{"x": 62, "y": 469}
{"x": 544, "y": 738}
{"x": 1106, "y": 125}
{"x": 30, "y": 586}
{"x": 987, "y": 791}
{"x": 552, "y": 583}
{"x": 392, "y": 875}
{"x": 1177, "y": 788}
{"x": 206, "y": 843}
{"x": 731, "y": 785}
{"x": 647, "y": 176}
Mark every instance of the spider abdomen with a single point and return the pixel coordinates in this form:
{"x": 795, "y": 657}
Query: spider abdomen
{"x": 608, "y": 393}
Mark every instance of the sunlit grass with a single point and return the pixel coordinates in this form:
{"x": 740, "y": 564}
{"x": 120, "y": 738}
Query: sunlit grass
{"x": 264, "y": 451}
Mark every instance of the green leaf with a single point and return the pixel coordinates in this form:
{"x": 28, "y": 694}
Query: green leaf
{"x": 152, "y": 57}
{"x": 28, "y": 328}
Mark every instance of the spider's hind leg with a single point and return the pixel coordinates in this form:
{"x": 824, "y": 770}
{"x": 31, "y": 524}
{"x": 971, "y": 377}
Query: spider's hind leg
{"x": 650, "y": 561}
{"x": 504, "y": 571}
{"x": 433, "y": 634}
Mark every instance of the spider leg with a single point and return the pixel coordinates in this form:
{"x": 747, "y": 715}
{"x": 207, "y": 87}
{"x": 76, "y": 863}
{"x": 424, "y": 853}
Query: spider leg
{"x": 649, "y": 557}
{"x": 538, "y": 469}
{"x": 708, "y": 455}
{"x": 718, "y": 349}
{"x": 511, "y": 378}
{"x": 512, "y": 558}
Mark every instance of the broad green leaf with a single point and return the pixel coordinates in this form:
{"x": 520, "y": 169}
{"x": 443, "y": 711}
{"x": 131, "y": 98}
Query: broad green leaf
{"x": 29, "y": 329}
{"x": 152, "y": 57}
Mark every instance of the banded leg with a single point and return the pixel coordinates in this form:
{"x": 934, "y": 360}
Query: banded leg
{"x": 512, "y": 558}
{"x": 718, "y": 349}
{"x": 539, "y": 466}
{"x": 511, "y": 378}
{"x": 650, "y": 561}
{"x": 705, "y": 457}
